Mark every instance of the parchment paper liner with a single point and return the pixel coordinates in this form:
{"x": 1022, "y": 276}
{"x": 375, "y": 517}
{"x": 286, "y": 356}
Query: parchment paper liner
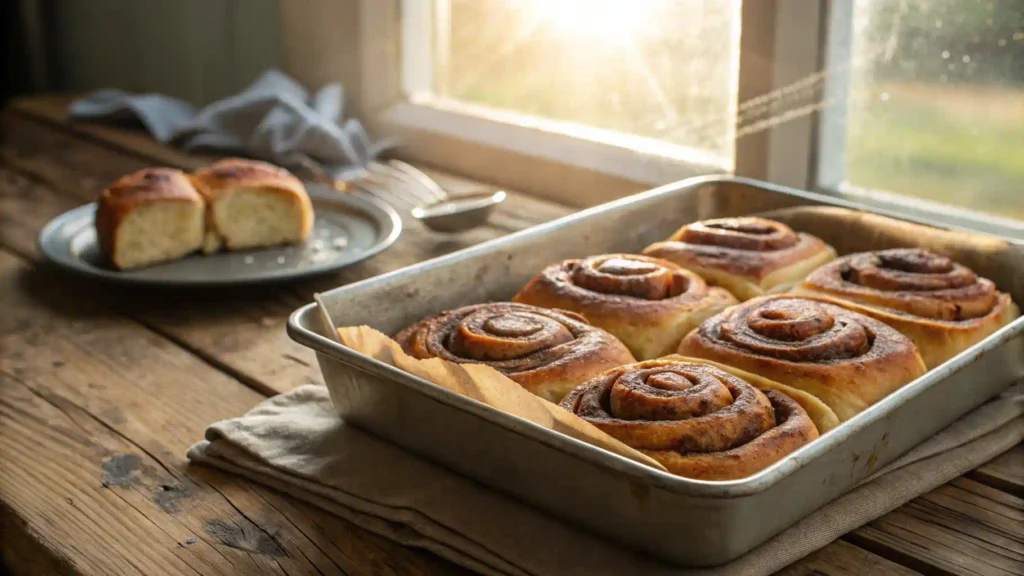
{"x": 487, "y": 385}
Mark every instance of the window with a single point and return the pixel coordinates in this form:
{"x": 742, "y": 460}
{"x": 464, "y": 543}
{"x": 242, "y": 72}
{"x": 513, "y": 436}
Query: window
{"x": 936, "y": 102}
{"x": 912, "y": 106}
{"x": 654, "y": 69}
{"x": 598, "y": 98}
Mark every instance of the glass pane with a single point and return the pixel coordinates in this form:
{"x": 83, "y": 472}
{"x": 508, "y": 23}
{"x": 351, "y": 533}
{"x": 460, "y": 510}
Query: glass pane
{"x": 663, "y": 69}
{"x": 936, "y": 106}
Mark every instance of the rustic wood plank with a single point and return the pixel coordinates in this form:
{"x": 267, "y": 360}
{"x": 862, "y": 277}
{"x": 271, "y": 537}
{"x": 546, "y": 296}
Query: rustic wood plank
{"x": 547, "y": 180}
{"x": 96, "y": 413}
{"x": 1005, "y": 472}
{"x": 50, "y": 168}
{"x": 95, "y": 419}
{"x": 129, "y": 150}
{"x": 239, "y": 331}
{"x": 844, "y": 559}
{"x": 519, "y": 211}
{"x": 50, "y": 171}
{"x": 52, "y": 108}
{"x": 67, "y": 399}
{"x": 963, "y": 527}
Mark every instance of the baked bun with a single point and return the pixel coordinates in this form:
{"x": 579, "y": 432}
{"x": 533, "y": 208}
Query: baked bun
{"x": 846, "y": 359}
{"x": 697, "y": 420}
{"x": 548, "y": 352}
{"x": 151, "y": 216}
{"x": 747, "y": 256}
{"x": 649, "y": 304}
{"x": 943, "y": 307}
{"x": 252, "y": 204}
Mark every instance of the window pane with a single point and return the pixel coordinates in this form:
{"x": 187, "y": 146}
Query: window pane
{"x": 663, "y": 69}
{"x": 936, "y": 104}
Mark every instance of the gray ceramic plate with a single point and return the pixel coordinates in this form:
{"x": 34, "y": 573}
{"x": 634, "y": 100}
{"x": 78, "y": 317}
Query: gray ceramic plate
{"x": 349, "y": 227}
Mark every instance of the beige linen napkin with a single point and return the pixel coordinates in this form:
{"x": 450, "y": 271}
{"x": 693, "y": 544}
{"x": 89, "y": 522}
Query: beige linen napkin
{"x": 296, "y": 443}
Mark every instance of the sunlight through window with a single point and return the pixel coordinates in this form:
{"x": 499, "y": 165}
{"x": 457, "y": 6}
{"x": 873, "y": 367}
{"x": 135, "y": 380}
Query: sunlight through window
{"x": 659, "y": 69}
{"x": 603, "y": 20}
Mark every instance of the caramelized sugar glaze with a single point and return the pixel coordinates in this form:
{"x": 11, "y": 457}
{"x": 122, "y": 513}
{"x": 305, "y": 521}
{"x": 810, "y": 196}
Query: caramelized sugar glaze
{"x": 697, "y": 420}
{"x": 649, "y": 304}
{"x": 546, "y": 351}
{"x": 749, "y": 256}
{"x": 846, "y": 359}
{"x": 942, "y": 306}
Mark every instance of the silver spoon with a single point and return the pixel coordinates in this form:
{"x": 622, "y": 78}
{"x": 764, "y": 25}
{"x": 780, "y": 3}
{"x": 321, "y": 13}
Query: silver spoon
{"x": 447, "y": 213}
{"x": 460, "y": 214}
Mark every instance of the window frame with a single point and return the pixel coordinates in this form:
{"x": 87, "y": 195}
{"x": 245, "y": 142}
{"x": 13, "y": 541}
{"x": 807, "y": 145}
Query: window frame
{"x": 781, "y": 41}
{"x": 573, "y": 164}
{"x": 829, "y": 176}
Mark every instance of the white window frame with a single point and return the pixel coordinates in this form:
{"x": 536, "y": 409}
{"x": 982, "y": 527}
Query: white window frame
{"x": 782, "y": 41}
{"x": 575, "y": 164}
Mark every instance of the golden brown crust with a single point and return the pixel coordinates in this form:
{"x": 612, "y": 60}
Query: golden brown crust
{"x": 749, "y": 249}
{"x": 649, "y": 304}
{"x": 697, "y": 420}
{"x": 548, "y": 352}
{"x": 846, "y": 359}
{"x": 134, "y": 190}
{"x": 942, "y": 306}
{"x": 230, "y": 174}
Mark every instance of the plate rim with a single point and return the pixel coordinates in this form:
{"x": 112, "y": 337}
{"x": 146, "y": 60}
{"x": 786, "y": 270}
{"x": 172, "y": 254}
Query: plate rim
{"x": 384, "y": 216}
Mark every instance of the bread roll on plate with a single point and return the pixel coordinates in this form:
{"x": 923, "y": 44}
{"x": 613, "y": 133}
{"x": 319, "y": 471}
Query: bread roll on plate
{"x": 151, "y": 216}
{"x": 252, "y": 204}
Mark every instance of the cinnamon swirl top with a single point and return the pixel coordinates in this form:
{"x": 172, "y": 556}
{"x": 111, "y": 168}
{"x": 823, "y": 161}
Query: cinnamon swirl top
{"x": 623, "y": 275}
{"x": 647, "y": 303}
{"x": 697, "y": 420}
{"x": 908, "y": 280}
{"x": 547, "y": 351}
{"x": 749, "y": 247}
{"x": 643, "y": 287}
{"x": 804, "y": 330}
{"x": 845, "y": 358}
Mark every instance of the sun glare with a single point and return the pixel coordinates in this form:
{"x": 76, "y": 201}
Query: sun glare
{"x": 605, "y": 19}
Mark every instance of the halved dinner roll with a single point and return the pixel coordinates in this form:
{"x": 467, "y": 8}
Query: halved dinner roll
{"x": 151, "y": 216}
{"x": 252, "y": 204}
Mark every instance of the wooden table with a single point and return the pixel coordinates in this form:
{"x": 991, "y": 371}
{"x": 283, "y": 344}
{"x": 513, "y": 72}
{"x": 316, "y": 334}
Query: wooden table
{"x": 103, "y": 389}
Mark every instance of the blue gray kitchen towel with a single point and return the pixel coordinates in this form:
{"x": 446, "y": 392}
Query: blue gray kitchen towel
{"x": 274, "y": 119}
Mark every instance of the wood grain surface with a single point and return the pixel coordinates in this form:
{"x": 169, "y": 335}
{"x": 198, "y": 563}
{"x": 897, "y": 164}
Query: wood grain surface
{"x": 103, "y": 389}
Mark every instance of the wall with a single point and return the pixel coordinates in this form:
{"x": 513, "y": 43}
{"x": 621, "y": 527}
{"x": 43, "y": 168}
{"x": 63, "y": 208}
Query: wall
{"x": 198, "y": 50}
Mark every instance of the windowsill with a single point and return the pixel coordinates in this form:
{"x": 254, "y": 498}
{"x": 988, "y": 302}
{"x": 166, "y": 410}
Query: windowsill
{"x": 932, "y": 212}
{"x": 645, "y": 161}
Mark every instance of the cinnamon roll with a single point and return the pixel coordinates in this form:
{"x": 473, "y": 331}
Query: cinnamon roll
{"x": 548, "y": 352}
{"x": 747, "y": 256}
{"x": 943, "y": 307}
{"x": 699, "y": 421}
{"x": 846, "y": 359}
{"x": 649, "y": 304}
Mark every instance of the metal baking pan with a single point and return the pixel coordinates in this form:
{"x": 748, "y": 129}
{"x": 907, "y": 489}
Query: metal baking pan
{"x": 685, "y": 521}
